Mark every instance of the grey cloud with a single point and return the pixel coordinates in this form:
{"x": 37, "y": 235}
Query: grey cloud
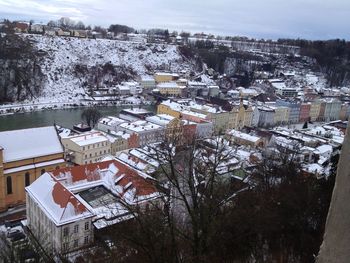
{"x": 313, "y": 19}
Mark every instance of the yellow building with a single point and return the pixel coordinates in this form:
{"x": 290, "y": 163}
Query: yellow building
{"x": 164, "y": 108}
{"x": 281, "y": 115}
{"x": 240, "y": 116}
{"x": 86, "y": 148}
{"x": 315, "y": 109}
{"x": 170, "y": 89}
{"x": 217, "y": 116}
{"x": 160, "y": 77}
{"x": 24, "y": 156}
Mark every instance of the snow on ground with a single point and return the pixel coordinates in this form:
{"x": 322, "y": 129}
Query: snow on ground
{"x": 64, "y": 53}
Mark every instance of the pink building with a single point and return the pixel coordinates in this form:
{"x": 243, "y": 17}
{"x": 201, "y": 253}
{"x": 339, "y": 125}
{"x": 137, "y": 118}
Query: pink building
{"x": 304, "y": 112}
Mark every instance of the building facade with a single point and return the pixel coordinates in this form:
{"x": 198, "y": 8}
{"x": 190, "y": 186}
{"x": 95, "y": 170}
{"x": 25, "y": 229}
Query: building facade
{"x": 305, "y": 112}
{"x": 89, "y": 147}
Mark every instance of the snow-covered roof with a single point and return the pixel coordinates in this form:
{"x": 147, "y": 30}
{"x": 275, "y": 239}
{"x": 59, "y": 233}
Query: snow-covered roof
{"x": 324, "y": 149}
{"x": 205, "y": 107}
{"x": 147, "y": 78}
{"x": 244, "y": 136}
{"x": 111, "y": 121}
{"x": 136, "y": 111}
{"x": 29, "y": 143}
{"x": 139, "y": 126}
{"x": 165, "y": 85}
{"x": 122, "y": 134}
{"x": 166, "y": 74}
{"x": 279, "y": 85}
{"x": 88, "y": 138}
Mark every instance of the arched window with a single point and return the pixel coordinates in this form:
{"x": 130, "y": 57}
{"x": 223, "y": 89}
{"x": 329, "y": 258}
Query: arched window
{"x": 42, "y": 171}
{"x": 27, "y": 179}
{"x": 9, "y": 185}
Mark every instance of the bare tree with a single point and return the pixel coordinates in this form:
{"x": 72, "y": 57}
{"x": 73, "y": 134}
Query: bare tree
{"x": 195, "y": 186}
{"x": 91, "y": 116}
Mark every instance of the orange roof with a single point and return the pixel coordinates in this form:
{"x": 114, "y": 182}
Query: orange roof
{"x": 91, "y": 172}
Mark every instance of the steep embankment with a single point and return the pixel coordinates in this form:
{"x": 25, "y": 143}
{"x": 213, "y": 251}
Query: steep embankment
{"x": 73, "y": 66}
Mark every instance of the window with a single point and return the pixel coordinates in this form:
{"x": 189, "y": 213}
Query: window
{"x": 65, "y": 231}
{"x": 9, "y": 185}
{"x": 86, "y": 225}
{"x": 86, "y": 240}
{"x": 83, "y": 148}
{"x": 27, "y": 179}
{"x": 76, "y": 228}
{"x": 76, "y": 243}
{"x": 90, "y": 155}
{"x": 42, "y": 171}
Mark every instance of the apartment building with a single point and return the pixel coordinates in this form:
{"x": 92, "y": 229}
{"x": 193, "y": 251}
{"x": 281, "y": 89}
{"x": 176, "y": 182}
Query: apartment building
{"x": 147, "y": 132}
{"x": 281, "y": 115}
{"x": 89, "y": 147}
{"x": 170, "y": 89}
{"x": 165, "y": 77}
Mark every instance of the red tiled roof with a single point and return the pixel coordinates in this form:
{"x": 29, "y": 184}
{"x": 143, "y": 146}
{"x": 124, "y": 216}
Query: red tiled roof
{"x": 62, "y": 197}
{"x": 91, "y": 172}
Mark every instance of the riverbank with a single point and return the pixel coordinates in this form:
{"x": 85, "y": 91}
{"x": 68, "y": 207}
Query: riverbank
{"x": 64, "y": 117}
{"x": 9, "y": 109}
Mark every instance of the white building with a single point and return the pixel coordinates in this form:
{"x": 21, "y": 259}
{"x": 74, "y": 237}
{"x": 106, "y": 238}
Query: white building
{"x": 147, "y": 132}
{"x": 109, "y": 123}
{"x": 281, "y": 88}
{"x": 148, "y": 82}
{"x": 65, "y": 206}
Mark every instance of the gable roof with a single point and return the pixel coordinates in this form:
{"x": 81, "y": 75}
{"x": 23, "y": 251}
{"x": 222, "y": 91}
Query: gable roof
{"x": 57, "y": 202}
{"x": 29, "y": 143}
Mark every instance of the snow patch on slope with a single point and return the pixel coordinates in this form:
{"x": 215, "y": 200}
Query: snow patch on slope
{"x": 64, "y": 53}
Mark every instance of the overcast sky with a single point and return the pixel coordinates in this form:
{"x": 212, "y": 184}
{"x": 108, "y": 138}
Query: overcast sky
{"x": 311, "y": 19}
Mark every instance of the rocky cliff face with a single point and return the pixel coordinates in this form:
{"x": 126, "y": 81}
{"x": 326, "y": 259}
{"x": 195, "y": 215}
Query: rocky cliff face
{"x": 21, "y": 76}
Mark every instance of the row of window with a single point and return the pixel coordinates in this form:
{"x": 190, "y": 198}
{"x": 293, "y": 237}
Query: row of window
{"x": 104, "y": 152}
{"x": 75, "y": 229}
{"x": 95, "y": 145}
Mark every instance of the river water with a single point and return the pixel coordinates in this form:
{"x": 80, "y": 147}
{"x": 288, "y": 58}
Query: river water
{"x": 63, "y": 117}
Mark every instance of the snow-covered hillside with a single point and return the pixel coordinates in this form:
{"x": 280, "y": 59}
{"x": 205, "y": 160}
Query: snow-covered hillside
{"x": 64, "y": 54}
